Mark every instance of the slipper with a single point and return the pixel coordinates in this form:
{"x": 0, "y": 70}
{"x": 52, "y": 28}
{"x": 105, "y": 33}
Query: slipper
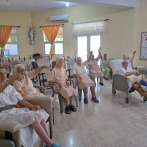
{"x": 72, "y": 108}
{"x": 85, "y": 101}
{"x": 67, "y": 110}
{"x": 95, "y": 100}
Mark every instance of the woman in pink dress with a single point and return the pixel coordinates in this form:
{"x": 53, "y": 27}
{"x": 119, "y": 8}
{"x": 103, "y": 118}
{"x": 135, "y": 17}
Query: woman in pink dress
{"x": 95, "y": 69}
{"x": 58, "y": 76}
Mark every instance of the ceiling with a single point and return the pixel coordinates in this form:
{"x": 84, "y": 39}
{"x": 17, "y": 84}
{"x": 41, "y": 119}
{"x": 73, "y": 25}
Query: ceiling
{"x": 40, "y": 5}
{"x": 33, "y": 5}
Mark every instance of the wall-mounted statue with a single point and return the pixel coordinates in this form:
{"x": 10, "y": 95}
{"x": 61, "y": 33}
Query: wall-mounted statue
{"x": 31, "y": 33}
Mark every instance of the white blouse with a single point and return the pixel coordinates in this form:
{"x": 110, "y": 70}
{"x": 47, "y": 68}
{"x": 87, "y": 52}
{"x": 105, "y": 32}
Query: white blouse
{"x": 9, "y": 96}
{"x": 80, "y": 70}
{"x": 123, "y": 71}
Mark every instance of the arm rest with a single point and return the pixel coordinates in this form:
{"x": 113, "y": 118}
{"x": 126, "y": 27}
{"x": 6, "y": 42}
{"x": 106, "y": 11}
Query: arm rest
{"x": 120, "y": 82}
{"x": 41, "y": 88}
{"x": 46, "y": 104}
{"x": 91, "y": 77}
{"x": 9, "y": 126}
{"x": 72, "y": 82}
{"x": 56, "y": 87}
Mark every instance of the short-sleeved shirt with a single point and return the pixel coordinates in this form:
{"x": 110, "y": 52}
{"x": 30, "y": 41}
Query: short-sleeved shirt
{"x": 104, "y": 63}
{"x": 80, "y": 70}
{"x": 57, "y": 74}
{"x": 123, "y": 71}
{"x": 9, "y": 96}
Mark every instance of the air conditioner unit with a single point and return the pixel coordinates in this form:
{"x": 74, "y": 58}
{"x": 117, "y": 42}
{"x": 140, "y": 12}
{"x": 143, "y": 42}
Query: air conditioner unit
{"x": 59, "y": 18}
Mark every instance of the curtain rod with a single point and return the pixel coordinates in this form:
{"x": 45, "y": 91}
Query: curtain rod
{"x": 12, "y": 26}
{"x": 16, "y": 26}
{"x": 53, "y": 25}
{"x": 91, "y": 21}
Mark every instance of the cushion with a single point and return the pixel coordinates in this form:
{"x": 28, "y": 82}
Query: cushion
{"x": 115, "y": 65}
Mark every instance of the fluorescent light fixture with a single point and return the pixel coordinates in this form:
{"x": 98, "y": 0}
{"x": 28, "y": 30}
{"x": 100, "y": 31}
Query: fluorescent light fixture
{"x": 67, "y": 4}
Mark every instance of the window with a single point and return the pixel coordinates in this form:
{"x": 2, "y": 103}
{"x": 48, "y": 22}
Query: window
{"x": 58, "y": 45}
{"x": 88, "y": 43}
{"x": 12, "y": 44}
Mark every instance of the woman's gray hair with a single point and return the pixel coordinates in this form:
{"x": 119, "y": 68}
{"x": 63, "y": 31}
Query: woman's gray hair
{"x": 16, "y": 62}
{"x": 124, "y": 61}
{"x": 17, "y": 67}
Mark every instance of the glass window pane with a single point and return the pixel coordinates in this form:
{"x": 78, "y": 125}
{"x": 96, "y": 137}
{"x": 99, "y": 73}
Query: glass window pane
{"x": 59, "y": 36}
{"x": 47, "y": 48}
{"x": 58, "y": 48}
{"x": 6, "y": 53}
{"x": 82, "y": 47}
{"x": 12, "y": 49}
{"x": 94, "y": 45}
{"x": 13, "y": 35}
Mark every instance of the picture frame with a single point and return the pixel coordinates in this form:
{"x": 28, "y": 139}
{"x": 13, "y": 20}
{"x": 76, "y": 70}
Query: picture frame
{"x": 143, "y": 46}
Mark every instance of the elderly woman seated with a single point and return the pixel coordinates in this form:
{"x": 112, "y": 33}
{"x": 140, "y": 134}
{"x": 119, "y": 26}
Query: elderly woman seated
{"x": 27, "y": 66}
{"x": 26, "y": 85}
{"x": 58, "y": 76}
{"x": 131, "y": 74}
{"x": 30, "y": 117}
{"x": 95, "y": 69}
{"x": 84, "y": 81}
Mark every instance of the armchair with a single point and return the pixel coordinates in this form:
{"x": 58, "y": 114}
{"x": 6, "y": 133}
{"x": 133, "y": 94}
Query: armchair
{"x": 14, "y": 128}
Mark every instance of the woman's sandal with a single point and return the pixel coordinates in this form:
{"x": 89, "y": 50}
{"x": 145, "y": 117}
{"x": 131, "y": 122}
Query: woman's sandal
{"x": 101, "y": 83}
{"x": 95, "y": 100}
{"x": 85, "y": 101}
{"x": 67, "y": 110}
{"x": 72, "y": 108}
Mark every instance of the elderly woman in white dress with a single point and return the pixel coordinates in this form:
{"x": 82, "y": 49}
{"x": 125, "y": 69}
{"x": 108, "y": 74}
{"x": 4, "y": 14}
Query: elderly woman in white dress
{"x": 79, "y": 72}
{"x": 130, "y": 73}
{"x": 30, "y": 117}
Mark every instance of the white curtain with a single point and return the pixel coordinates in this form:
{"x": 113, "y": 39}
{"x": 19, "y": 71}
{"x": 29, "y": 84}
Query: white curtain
{"x": 88, "y": 27}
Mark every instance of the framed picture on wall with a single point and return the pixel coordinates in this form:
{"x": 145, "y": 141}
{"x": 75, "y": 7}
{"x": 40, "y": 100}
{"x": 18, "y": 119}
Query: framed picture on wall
{"x": 143, "y": 50}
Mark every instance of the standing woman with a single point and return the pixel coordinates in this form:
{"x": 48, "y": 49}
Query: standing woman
{"x": 105, "y": 66}
{"x": 95, "y": 69}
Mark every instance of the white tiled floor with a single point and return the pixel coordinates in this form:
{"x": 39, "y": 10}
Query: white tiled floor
{"x": 111, "y": 123}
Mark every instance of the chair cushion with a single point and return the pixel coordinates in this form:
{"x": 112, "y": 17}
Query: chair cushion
{"x": 6, "y": 143}
{"x": 115, "y": 65}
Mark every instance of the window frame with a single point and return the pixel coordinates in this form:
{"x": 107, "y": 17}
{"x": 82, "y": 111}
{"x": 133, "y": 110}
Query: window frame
{"x": 54, "y": 42}
{"x": 15, "y": 42}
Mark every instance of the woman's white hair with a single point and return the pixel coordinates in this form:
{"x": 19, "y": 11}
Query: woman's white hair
{"x": 17, "y": 67}
{"x": 124, "y": 61}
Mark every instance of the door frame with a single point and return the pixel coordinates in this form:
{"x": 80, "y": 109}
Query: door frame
{"x": 88, "y": 41}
